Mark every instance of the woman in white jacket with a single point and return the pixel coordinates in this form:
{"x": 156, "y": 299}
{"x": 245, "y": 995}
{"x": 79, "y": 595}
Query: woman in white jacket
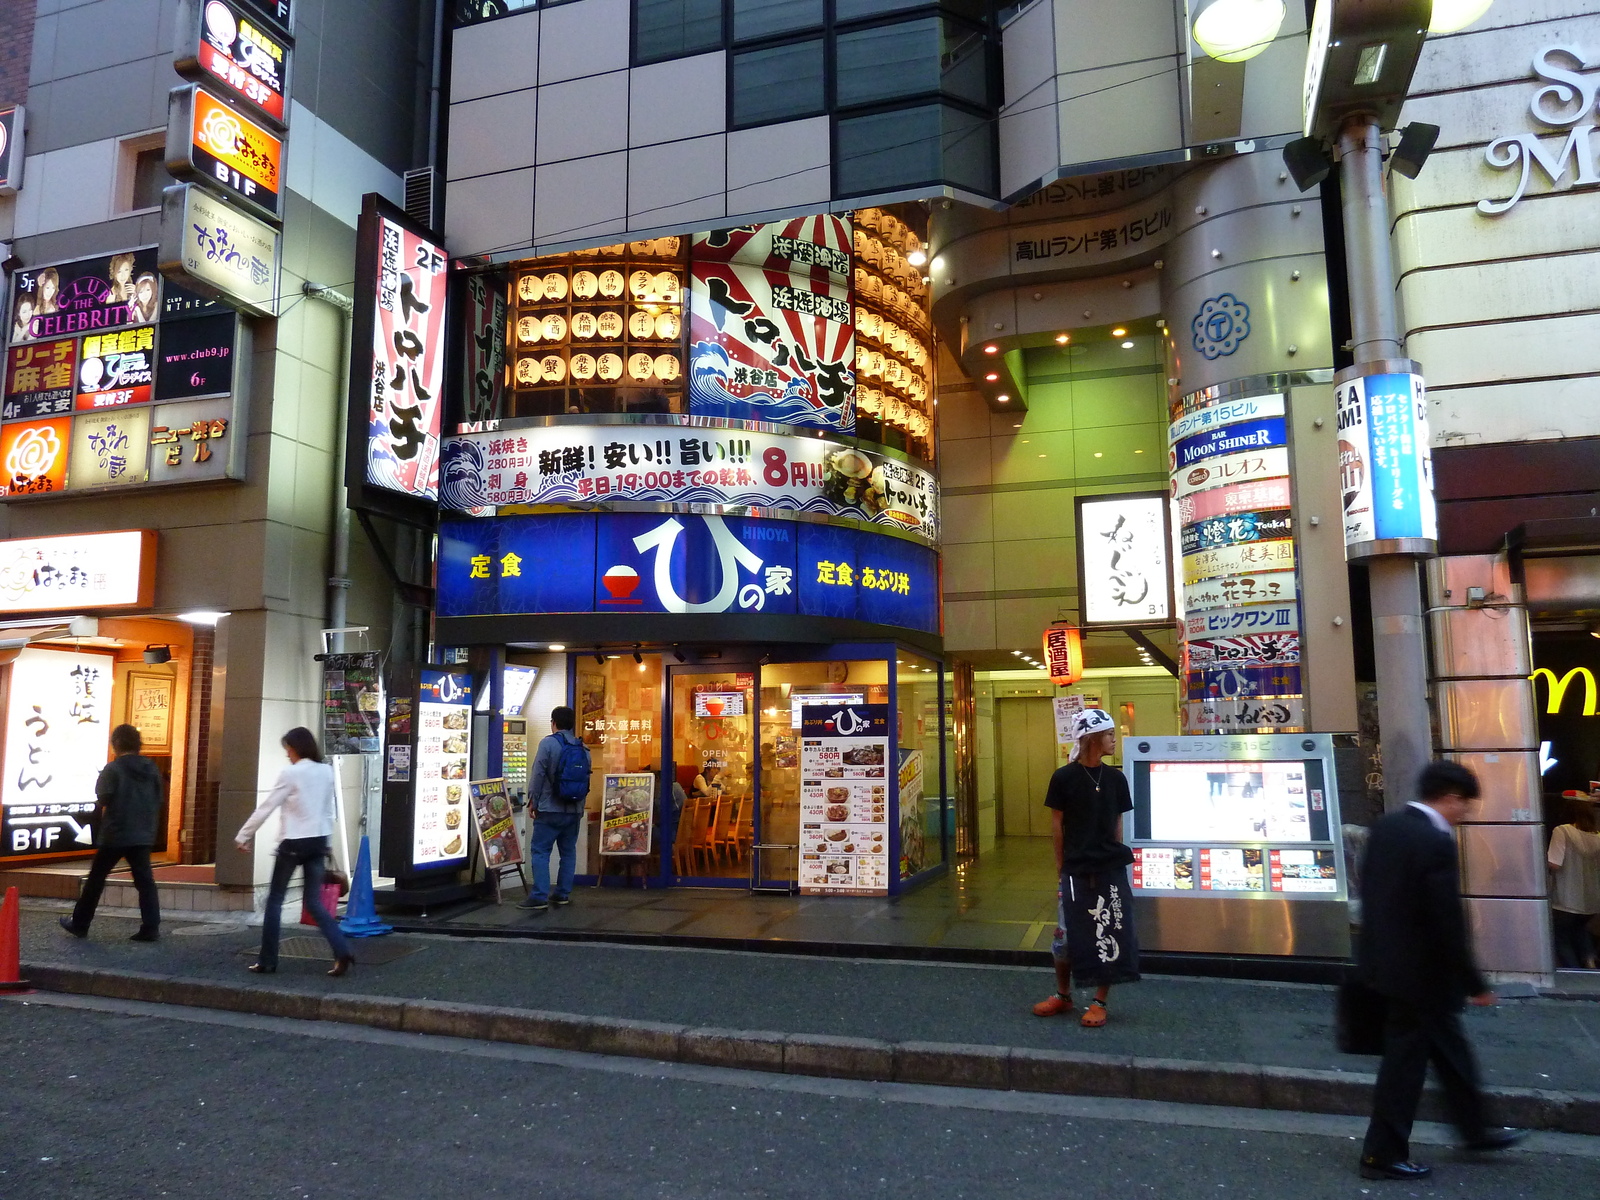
{"x": 305, "y": 793}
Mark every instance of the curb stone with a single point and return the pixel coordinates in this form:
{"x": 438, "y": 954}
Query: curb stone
{"x": 1182, "y": 1081}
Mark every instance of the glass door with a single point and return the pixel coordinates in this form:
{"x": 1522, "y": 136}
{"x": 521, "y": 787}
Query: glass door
{"x": 713, "y": 787}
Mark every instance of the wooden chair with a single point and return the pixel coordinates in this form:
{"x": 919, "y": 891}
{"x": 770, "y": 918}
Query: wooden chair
{"x": 728, "y": 835}
{"x": 683, "y": 843}
{"x": 705, "y": 824}
{"x": 744, "y": 832}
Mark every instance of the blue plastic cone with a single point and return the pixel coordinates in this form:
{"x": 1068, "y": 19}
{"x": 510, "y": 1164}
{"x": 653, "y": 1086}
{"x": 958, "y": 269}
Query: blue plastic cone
{"x": 360, "y": 913}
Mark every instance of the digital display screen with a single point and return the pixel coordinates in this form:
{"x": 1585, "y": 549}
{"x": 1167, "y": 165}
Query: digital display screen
{"x": 718, "y": 704}
{"x": 1230, "y": 801}
{"x": 799, "y": 700}
{"x": 516, "y": 687}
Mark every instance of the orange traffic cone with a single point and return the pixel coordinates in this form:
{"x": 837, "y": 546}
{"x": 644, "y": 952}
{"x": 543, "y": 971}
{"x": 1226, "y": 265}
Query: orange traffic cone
{"x": 11, "y": 944}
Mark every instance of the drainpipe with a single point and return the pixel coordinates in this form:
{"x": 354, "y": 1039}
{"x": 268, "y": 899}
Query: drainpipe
{"x": 339, "y": 552}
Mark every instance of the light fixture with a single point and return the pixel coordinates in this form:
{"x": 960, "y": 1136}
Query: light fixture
{"x": 155, "y": 655}
{"x": 1002, "y": 397}
{"x": 1594, "y": 630}
{"x": 1235, "y": 30}
{"x": 598, "y": 657}
{"x": 917, "y": 258}
{"x": 991, "y": 376}
{"x": 1308, "y": 161}
{"x": 1062, "y": 339}
{"x": 991, "y": 348}
{"x": 202, "y": 617}
{"x": 557, "y": 647}
{"x": 1127, "y": 345}
{"x": 1416, "y": 143}
{"x": 1119, "y": 331}
{"x": 637, "y": 657}
{"x": 1452, "y": 16}
{"x": 677, "y": 653}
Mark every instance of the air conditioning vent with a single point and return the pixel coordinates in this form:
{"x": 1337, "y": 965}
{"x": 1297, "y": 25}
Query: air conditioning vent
{"x": 419, "y": 196}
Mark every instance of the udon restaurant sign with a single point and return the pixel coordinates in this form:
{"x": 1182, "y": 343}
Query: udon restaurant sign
{"x": 209, "y": 142}
{"x": 585, "y": 464}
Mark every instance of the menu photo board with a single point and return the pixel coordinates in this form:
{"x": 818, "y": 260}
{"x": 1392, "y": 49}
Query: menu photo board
{"x": 439, "y": 769}
{"x": 352, "y": 703}
{"x": 209, "y": 142}
{"x": 497, "y": 832}
{"x": 397, "y": 365}
{"x": 627, "y": 811}
{"x": 844, "y": 799}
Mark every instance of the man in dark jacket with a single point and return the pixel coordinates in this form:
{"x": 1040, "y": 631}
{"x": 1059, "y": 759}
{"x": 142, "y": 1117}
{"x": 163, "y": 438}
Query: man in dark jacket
{"x": 129, "y": 792}
{"x": 556, "y": 818}
{"x": 1415, "y": 952}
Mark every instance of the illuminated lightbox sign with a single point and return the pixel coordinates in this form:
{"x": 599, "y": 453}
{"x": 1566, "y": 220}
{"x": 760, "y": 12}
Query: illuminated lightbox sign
{"x": 33, "y": 457}
{"x": 661, "y": 563}
{"x": 235, "y": 52}
{"x": 565, "y": 464}
{"x": 218, "y": 251}
{"x": 1124, "y": 550}
{"x": 12, "y": 119}
{"x": 444, "y": 748}
{"x": 91, "y": 295}
{"x": 75, "y": 571}
{"x": 397, "y": 372}
{"x": 197, "y": 357}
{"x": 39, "y": 379}
{"x": 1385, "y": 464}
{"x": 116, "y": 369}
{"x": 209, "y": 142}
{"x": 55, "y": 744}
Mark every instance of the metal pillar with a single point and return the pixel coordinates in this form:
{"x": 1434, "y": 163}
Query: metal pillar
{"x": 1399, "y": 645}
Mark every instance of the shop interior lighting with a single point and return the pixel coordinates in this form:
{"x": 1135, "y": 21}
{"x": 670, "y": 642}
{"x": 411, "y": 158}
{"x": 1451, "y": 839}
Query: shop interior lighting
{"x": 598, "y": 657}
{"x": 1452, "y": 16}
{"x": 1233, "y": 31}
{"x": 991, "y": 348}
{"x": 1594, "y": 630}
{"x": 1127, "y": 345}
{"x": 201, "y": 617}
{"x": 556, "y": 647}
{"x": 637, "y": 657}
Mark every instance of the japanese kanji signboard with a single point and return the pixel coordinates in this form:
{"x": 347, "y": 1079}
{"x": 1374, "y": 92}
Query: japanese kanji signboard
{"x": 561, "y": 464}
{"x": 208, "y": 141}
{"x": 397, "y": 369}
{"x": 1124, "y": 551}
{"x": 228, "y": 47}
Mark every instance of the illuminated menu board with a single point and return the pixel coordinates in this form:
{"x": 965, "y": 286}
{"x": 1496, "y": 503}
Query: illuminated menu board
{"x": 844, "y": 799}
{"x": 440, "y": 768}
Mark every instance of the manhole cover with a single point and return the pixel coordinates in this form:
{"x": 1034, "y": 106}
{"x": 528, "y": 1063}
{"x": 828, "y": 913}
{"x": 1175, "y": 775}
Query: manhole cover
{"x": 372, "y": 952}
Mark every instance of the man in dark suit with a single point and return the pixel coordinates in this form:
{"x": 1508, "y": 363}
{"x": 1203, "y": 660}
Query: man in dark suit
{"x": 1414, "y": 951}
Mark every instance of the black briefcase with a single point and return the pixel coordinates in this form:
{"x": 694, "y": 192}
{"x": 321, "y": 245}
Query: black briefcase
{"x": 1359, "y": 1017}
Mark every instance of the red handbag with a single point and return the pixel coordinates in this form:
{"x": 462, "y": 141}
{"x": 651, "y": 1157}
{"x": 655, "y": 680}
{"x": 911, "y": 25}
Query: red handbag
{"x": 330, "y": 901}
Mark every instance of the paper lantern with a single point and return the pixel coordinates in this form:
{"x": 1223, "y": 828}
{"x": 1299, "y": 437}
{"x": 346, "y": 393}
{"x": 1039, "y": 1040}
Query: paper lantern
{"x": 1063, "y": 654}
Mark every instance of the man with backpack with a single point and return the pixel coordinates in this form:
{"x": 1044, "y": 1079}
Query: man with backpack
{"x": 559, "y": 780}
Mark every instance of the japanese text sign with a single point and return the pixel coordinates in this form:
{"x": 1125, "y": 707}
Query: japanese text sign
{"x": 210, "y": 142}
{"x": 1385, "y": 465}
{"x": 33, "y": 457}
{"x": 1125, "y": 551}
{"x": 443, "y": 749}
{"x": 215, "y": 249}
{"x": 562, "y": 464}
{"x": 402, "y": 305}
{"x": 116, "y": 369}
{"x": 91, "y": 295}
{"x": 109, "y": 448}
{"x": 39, "y": 379}
{"x": 76, "y": 571}
{"x": 57, "y": 725}
{"x": 230, "y": 48}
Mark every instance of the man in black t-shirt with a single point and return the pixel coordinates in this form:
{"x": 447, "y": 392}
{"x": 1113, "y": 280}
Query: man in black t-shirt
{"x": 1094, "y": 943}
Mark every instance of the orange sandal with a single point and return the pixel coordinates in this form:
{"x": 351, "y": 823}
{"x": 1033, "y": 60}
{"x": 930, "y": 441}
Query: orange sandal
{"x": 1094, "y": 1016}
{"x": 1053, "y": 1006}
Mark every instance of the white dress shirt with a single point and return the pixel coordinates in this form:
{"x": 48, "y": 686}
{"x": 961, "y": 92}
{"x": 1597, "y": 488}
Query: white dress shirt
{"x": 305, "y": 793}
{"x": 1434, "y": 815}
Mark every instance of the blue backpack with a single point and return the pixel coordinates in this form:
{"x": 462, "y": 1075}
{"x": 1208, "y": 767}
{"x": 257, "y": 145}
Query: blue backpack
{"x": 571, "y": 782}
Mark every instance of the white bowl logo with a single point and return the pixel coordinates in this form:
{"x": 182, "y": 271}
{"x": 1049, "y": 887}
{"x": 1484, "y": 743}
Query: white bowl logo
{"x": 221, "y": 131}
{"x": 220, "y": 25}
{"x": 34, "y": 454}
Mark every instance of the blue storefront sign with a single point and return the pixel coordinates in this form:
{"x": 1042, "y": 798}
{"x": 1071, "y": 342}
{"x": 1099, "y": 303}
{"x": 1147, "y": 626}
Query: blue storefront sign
{"x": 1231, "y": 439}
{"x": 661, "y": 563}
{"x": 1385, "y": 465}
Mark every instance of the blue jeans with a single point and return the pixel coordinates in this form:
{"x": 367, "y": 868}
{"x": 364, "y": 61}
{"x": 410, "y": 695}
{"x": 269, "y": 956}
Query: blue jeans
{"x": 561, "y": 831}
{"x": 309, "y": 853}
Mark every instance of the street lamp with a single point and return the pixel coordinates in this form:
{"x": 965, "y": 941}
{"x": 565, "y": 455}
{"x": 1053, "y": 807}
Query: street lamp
{"x": 1452, "y": 16}
{"x": 1235, "y": 30}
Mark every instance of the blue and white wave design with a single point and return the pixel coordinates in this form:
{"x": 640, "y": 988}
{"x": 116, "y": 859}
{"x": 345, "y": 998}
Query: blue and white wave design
{"x": 709, "y": 368}
{"x": 461, "y": 477}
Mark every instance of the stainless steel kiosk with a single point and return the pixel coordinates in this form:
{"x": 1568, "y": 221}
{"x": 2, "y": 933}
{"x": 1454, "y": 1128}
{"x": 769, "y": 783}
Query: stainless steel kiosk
{"x": 1237, "y": 846}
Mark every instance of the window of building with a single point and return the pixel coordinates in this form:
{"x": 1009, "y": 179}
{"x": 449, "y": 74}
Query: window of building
{"x": 767, "y": 18}
{"x": 929, "y": 143}
{"x": 779, "y": 82}
{"x": 672, "y": 28}
{"x": 141, "y": 173}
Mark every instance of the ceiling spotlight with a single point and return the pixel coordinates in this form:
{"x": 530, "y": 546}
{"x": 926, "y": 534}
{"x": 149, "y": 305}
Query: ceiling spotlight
{"x": 158, "y": 654}
{"x": 598, "y": 657}
{"x": 1119, "y": 331}
{"x": 557, "y": 647}
{"x": 637, "y": 657}
{"x": 1002, "y": 397}
{"x": 202, "y": 617}
{"x": 917, "y": 258}
{"x": 1127, "y": 345}
{"x": 991, "y": 376}
{"x": 991, "y": 349}
{"x": 1063, "y": 338}
{"x": 678, "y": 654}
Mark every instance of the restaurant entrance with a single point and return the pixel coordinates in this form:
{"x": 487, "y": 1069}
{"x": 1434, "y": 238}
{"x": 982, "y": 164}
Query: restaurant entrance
{"x": 714, "y": 773}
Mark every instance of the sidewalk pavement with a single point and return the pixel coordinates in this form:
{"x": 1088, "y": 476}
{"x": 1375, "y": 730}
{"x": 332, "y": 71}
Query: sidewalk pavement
{"x": 1185, "y": 1039}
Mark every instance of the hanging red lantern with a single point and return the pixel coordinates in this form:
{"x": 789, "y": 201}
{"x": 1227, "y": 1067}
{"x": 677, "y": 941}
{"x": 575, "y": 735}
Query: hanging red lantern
{"x": 1063, "y": 654}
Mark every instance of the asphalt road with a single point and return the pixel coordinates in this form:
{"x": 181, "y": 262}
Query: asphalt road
{"x": 111, "y": 1099}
